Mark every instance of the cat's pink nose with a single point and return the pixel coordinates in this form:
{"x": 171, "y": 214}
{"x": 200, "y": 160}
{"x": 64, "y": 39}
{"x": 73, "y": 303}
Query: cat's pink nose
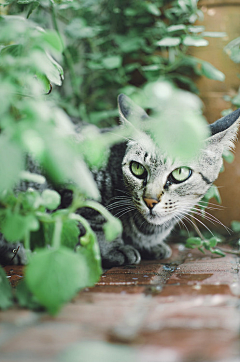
{"x": 150, "y": 202}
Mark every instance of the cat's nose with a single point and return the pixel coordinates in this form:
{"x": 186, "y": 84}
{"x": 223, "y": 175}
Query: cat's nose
{"x": 150, "y": 202}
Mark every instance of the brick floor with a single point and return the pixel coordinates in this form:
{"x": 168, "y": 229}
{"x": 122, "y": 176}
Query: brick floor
{"x": 185, "y": 309}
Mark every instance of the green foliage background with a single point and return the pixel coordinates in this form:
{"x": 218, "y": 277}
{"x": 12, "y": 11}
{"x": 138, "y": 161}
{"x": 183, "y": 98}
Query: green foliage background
{"x": 61, "y": 61}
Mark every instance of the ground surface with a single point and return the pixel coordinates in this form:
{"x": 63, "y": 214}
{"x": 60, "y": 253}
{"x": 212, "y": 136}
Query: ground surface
{"x": 184, "y": 309}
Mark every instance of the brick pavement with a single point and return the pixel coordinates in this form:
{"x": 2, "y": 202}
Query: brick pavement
{"x": 185, "y": 309}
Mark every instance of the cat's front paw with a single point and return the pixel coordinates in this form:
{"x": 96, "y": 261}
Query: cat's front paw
{"x": 160, "y": 251}
{"x": 124, "y": 254}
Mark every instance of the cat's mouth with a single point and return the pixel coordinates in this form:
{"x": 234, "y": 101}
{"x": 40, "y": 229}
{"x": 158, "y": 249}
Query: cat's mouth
{"x": 155, "y": 218}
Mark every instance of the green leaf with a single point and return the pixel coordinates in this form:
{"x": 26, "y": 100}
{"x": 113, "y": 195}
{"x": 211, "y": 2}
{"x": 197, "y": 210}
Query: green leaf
{"x": 178, "y": 27}
{"x": 78, "y": 29}
{"x": 50, "y": 37}
{"x": 55, "y": 276}
{"x": 218, "y": 252}
{"x": 169, "y": 42}
{"x": 214, "y": 241}
{"x": 24, "y": 297}
{"x": 32, "y": 177}
{"x": 14, "y": 226}
{"x": 6, "y": 296}
{"x": 112, "y": 62}
{"x": 213, "y": 193}
{"x": 193, "y": 242}
{"x": 112, "y": 229}
{"x": 153, "y": 9}
{"x": 91, "y": 253}
{"x": 195, "y": 29}
{"x": 11, "y": 163}
{"x": 187, "y": 128}
{"x": 51, "y": 199}
{"x": 70, "y": 233}
{"x": 214, "y": 34}
{"x": 235, "y": 225}
{"x": 194, "y": 41}
{"x": 211, "y": 72}
{"x": 228, "y": 156}
{"x": 236, "y": 100}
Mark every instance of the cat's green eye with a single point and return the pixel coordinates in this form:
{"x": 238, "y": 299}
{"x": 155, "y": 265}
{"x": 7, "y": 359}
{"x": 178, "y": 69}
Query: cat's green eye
{"x": 181, "y": 174}
{"x": 138, "y": 170}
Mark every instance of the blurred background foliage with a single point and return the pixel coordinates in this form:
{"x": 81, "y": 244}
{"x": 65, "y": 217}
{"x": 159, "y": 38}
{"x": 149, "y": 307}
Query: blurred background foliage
{"x": 65, "y": 61}
{"x": 113, "y": 46}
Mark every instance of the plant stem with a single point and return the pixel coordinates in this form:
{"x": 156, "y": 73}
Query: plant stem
{"x": 66, "y": 53}
{"x": 56, "y": 241}
{"x": 27, "y": 240}
{"x": 234, "y": 252}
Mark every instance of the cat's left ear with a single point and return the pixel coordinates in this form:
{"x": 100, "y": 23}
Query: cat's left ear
{"x": 224, "y": 131}
{"x": 130, "y": 111}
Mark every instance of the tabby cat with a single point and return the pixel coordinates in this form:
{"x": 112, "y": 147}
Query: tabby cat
{"x": 149, "y": 192}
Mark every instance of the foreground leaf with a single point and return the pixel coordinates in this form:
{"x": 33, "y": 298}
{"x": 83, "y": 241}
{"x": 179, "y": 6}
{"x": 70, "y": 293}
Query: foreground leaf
{"x": 55, "y": 276}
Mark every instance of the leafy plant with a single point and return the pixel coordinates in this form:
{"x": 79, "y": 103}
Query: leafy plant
{"x": 114, "y": 46}
{"x": 205, "y": 244}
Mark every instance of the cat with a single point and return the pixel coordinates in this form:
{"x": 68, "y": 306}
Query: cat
{"x": 149, "y": 192}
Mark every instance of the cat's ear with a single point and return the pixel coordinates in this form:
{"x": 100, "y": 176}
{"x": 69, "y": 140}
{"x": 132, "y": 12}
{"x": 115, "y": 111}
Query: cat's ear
{"x": 130, "y": 111}
{"x": 224, "y": 131}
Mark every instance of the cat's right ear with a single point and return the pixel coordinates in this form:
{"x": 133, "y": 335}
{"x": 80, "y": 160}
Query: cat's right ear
{"x": 130, "y": 111}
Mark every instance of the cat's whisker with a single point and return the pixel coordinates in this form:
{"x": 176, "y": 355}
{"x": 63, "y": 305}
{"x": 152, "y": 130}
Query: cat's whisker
{"x": 211, "y": 218}
{"x": 188, "y": 218}
{"x": 124, "y": 192}
{"x": 121, "y": 202}
{"x": 210, "y": 205}
{"x": 181, "y": 222}
{"x": 123, "y": 212}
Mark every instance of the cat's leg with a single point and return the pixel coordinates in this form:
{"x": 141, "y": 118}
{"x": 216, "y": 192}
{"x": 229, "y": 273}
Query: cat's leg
{"x": 116, "y": 253}
{"x": 155, "y": 252}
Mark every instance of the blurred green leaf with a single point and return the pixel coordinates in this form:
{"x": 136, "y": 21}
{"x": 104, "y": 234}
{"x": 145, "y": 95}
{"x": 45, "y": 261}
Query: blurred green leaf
{"x": 193, "y": 242}
{"x": 214, "y": 34}
{"x": 211, "y": 72}
{"x": 14, "y": 226}
{"x": 228, "y": 156}
{"x": 112, "y": 62}
{"x": 24, "y": 297}
{"x": 235, "y": 225}
{"x": 194, "y": 41}
{"x": 51, "y": 199}
{"x": 91, "y": 253}
{"x": 51, "y": 38}
{"x": 213, "y": 193}
{"x": 214, "y": 241}
{"x": 11, "y": 163}
{"x": 153, "y": 9}
{"x": 169, "y": 42}
{"x": 54, "y": 276}
{"x": 112, "y": 229}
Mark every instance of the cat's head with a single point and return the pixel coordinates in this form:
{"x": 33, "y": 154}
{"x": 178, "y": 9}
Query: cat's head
{"x": 162, "y": 188}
